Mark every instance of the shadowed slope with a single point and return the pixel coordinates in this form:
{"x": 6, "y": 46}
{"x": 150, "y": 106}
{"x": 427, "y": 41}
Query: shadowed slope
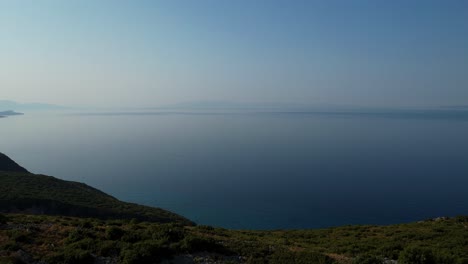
{"x": 7, "y": 164}
{"x": 24, "y": 192}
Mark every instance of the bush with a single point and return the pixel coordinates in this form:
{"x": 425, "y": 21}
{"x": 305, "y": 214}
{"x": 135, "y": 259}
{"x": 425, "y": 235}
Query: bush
{"x": 10, "y": 246}
{"x": 109, "y": 248}
{"x": 368, "y": 259}
{"x": 114, "y": 233}
{"x": 461, "y": 219}
{"x": 72, "y": 256}
{"x": 416, "y": 255}
{"x": 144, "y": 253}
{"x": 132, "y": 236}
{"x": 87, "y": 224}
{"x": 3, "y": 219}
{"x": 391, "y": 250}
{"x": 79, "y": 234}
{"x": 280, "y": 257}
{"x": 85, "y": 244}
{"x": 168, "y": 233}
{"x": 10, "y": 260}
{"x": 444, "y": 258}
{"x": 78, "y": 256}
{"x": 196, "y": 244}
{"x": 18, "y": 235}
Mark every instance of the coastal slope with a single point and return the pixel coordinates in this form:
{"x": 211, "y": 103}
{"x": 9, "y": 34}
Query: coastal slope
{"x": 9, "y": 165}
{"x": 24, "y": 192}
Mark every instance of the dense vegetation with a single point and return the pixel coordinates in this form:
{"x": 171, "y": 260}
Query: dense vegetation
{"x": 54, "y": 239}
{"x": 119, "y": 232}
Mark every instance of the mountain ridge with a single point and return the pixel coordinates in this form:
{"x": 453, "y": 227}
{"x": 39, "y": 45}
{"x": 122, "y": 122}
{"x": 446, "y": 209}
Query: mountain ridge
{"x": 7, "y": 104}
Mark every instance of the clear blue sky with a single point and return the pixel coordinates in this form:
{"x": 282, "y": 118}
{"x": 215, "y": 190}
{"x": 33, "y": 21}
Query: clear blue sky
{"x": 150, "y": 53}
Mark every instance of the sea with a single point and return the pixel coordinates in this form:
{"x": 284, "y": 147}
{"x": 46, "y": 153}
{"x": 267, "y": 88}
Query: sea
{"x": 257, "y": 169}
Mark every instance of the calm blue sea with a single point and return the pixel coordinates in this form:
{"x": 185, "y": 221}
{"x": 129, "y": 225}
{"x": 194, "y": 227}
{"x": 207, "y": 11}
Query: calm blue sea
{"x": 250, "y": 170}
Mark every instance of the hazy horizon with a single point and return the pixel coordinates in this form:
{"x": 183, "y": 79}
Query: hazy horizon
{"x": 157, "y": 53}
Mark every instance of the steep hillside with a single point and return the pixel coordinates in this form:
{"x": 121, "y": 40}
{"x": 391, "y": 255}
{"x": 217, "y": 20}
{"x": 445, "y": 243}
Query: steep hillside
{"x": 24, "y": 192}
{"x": 7, "y": 164}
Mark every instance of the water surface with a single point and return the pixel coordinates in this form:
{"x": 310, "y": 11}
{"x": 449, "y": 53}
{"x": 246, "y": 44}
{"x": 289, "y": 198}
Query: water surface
{"x": 258, "y": 170}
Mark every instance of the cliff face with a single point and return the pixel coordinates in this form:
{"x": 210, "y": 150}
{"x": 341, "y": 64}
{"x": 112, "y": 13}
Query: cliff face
{"x": 7, "y": 164}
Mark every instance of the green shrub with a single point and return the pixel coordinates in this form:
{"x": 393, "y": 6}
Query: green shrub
{"x": 134, "y": 221}
{"x": 132, "y": 236}
{"x": 196, "y": 244}
{"x": 72, "y": 256}
{"x": 114, "y": 233}
{"x": 256, "y": 260}
{"x": 3, "y": 219}
{"x": 10, "y": 246}
{"x": 84, "y": 244}
{"x": 441, "y": 257}
{"x": 168, "y": 233}
{"x": 368, "y": 259}
{"x": 79, "y": 234}
{"x": 416, "y": 255}
{"x": 109, "y": 248}
{"x": 391, "y": 250}
{"x": 144, "y": 253}
{"x": 10, "y": 260}
{"x": 461, "y": 219}
{"x": 205, "y": 228}
{"x": 280, "y": 257}
{"x": 18, "y": 235}
{"x": 87, "y": 224}
{"x": 77, "y": 256}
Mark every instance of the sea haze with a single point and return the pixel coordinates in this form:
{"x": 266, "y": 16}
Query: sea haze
{"x": 258, "y": 170}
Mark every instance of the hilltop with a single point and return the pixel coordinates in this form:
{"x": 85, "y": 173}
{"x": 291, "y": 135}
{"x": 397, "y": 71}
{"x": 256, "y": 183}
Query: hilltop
{"x": 7, "y": 164}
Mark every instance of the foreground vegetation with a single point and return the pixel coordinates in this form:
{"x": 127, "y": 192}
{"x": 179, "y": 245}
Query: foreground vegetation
{"x": 119, "y": 232}
{"x": 57, "y": 239}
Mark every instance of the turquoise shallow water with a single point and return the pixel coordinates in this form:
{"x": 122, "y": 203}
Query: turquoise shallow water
{"x": 258, "y": 170}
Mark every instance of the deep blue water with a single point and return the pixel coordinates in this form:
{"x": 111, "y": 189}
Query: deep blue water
{"x": 259, "y": 170}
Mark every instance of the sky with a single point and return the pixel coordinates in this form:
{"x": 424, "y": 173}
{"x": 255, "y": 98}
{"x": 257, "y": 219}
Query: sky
{"x": 147, "y": 53}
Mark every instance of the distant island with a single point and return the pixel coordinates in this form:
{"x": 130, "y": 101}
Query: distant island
{"x": 9, "y": 113}
{"x": 46, "y": 220}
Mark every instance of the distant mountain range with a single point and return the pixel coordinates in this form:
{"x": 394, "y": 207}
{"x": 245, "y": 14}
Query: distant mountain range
{"x": 6, "y": 104}
{"x": 456, "y": 107}
{"x": 232, "y": 105}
